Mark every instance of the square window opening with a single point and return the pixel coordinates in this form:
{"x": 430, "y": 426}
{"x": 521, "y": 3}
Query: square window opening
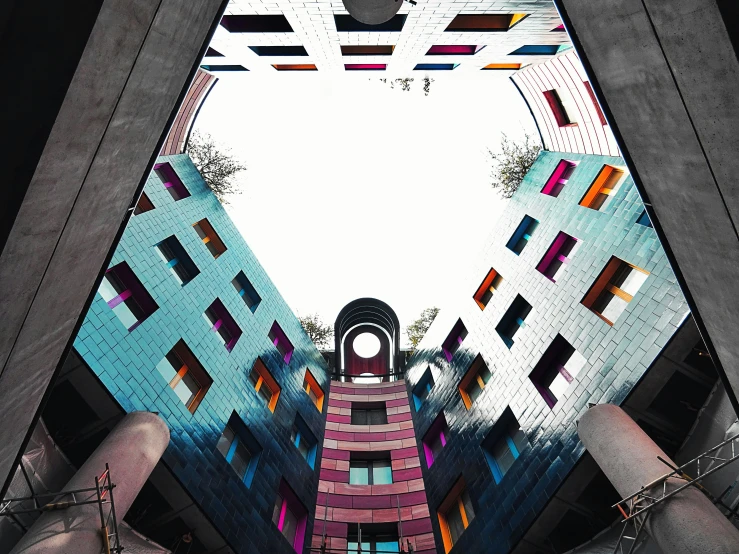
{"x": 171, "y": 181}
{"x": 559, "y": 177}
{"x": 126, "y": 296}
{"x": 210, "y": 238}
{"x": 143, "y": 205}
{"x": 605, "y": 186}
{"x": 614, "y": 289}
{"x": 372, "y": 537}
{"x": 246, "y": 291}
{"x": 264, "y": 384}
{"x": 559, "y": 254}
{"x": 281, "y": 342}
{"x": 223, "y": 324}
{"x": 504, "y": 444}
{"x": 178, "y": 261}
{"x": 556, "y": 370}
{"x": 185, "y": 375}
{"x": 369, "y": 413}
{"x": 522, "y": 234}
{"x": 370, "y": 468}
{"x": 513, "y": 320}
{"x": 454, "y": 340}
{"x": 474, "y": 381}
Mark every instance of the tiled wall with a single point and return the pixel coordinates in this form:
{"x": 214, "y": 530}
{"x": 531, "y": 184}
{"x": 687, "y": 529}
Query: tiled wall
{"x": 340, "y": 503}
{"x": 617, "y": 356}
{"x": 126, "y": 363}
{"x": 589, "y": 135}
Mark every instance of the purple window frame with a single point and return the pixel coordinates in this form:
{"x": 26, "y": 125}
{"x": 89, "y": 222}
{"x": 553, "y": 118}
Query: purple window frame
{"x": 281, "y": 342}
{"x": 554, "y": 253}
{"x": 439, "y": 428}
{"x": 135, "y": 289}
{"x": 558, "y": 180}
{"x": 171, "y": 180}
{"x": 296, "y": 507}
{"x": 454, "y": 340}
{"x": 225, "y": 319}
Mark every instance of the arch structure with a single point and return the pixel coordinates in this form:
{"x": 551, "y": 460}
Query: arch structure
{"x": 367, "y": 315}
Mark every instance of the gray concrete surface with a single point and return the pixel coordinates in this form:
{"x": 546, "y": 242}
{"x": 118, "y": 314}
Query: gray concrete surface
{"x": 135, "y": 65}
{"x": 668, "y": 75}
{"x": 687, "y": 523}
{"x": 132, "y": 449}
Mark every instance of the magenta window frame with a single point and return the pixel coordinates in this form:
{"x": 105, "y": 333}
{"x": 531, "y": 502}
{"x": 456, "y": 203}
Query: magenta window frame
{"x": 171, "y": 180}
{"x": 454, "y": 49}
{"x": 557, "y": 180}
{"x": 454, "y": 340}
{"x": 225, "y": 319}
{"x": 365, "y": 66}
{"x": 135, "y": 289}
{"x": 439, "y": 428}
{"x": 281, "y": 342}
{"x": 290, "y": 499}
{"x": 555, "y": 253}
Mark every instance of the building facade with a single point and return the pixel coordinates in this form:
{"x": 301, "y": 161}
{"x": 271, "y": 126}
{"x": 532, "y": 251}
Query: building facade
{"x": 184, "y": 291}
{"x": 572, "y": 302}
{"x": 429, "y": 36}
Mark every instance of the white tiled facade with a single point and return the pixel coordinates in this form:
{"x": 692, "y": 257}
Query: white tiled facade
{"x": 315, "y": 29}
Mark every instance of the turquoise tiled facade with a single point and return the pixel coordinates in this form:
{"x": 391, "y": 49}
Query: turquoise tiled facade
{"x": 126, "y": 363}
{"x": 616, "y": 356}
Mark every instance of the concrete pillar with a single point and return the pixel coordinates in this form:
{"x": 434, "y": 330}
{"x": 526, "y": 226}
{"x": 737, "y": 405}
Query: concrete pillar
{"x": 687, "y": 523}
{"x": 132, "y": 450}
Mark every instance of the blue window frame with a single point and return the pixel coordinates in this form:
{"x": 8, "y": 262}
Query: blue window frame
{"x": 240, "y": 449}
{"x": 423, "y": 388}
{"x": 513, "y": 320}
{"x": 522, "y": 234}
{"x": 644, "y": 219}
{"x": 504, "y": 445}
{"x": 304, "y": 441}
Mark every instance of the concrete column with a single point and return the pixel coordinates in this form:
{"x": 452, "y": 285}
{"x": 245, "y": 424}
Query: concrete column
{"x": 687, "y": 523}
{"x": 132, "y": 450}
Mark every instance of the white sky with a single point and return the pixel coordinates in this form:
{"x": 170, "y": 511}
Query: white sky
{"x": 355, "y": 189}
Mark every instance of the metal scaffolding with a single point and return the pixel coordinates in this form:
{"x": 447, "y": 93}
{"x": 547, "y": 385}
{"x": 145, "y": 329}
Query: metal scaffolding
{"x": 636, "y": 508}
{"x": 101, "y": 494}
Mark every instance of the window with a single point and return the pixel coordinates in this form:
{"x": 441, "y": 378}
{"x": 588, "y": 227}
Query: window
{"x": 606, "y": 184}
{"x": 279, "y": 50}
{"x": 372, "y": 538}
{"x": 310, "y": 386}
{"x": 455, "y": 514}
{"x": 367, "y": 468}
{"x": 365, "y": 66}
{"x": 522, "y": 234}
{"x": 454, "y": 49}
{"x": 246, "y": 291}
{"x": 563, "y": 106}
{"x": 556, "y": 369}
{"x": 348, "y": 23}
{"x": 143, "y": 205}
{"x": 485, "y": 291}
{"x": 593, "y": 99}
{"x": 171, "y": 181}
{"x": 614, "y": 288}
{"x": 264, "y": 384}
{"x": 454, "y": 340}
{"x": 240, "y": 448}
{"x": 210, "y": 238}
{"x": 553, "y": 264}
{"x": 537, "y": 50}
{"x": 370, "y": 50}
{"x": 502, "y": 66}
{"x": 559, "y": 178}
{"x": 256, "y": 24}
{"x": 281, "y": 342}
{"x": 435, "y": 439}
{"x": 474, "y": 381}
{"x": 295, "y": 66}
{"x": 222, "y": 323}
{"x": 178, "y": 261}
{"x": 224, "y": 67}
{"x": 483, "y": 23}
{"x": 126, "y": 296}
{"x": 513, "y": 320}
{"x": 644, "y": 219}
{"x": 435, "y": 66}
{"x": 504, "y": 444}
{"x": 369, "y": 413}
{"x": 290, "y": 516}
{"x": 304, "y": 441}
{"x": 423, "y": 388}
{"x": 185, "y": 376}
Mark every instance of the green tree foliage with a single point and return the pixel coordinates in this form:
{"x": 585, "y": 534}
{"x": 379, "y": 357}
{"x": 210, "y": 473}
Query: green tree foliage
{"x": 512, "y": 163}
{"x": 216, "y": 165}
{"x": 320, "y": 333}
{"x": 417, "y": 329}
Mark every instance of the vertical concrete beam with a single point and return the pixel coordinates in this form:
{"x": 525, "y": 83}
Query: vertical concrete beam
{"x": 684, "y": 524}
{"x": 132, "y": 73}
{"x": 667, "y": 74}
{"x": 131, "y": 450}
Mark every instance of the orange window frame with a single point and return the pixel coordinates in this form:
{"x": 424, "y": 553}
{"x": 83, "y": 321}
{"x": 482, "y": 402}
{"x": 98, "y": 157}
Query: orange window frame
{"x": 453, "y": 499}
{"x": 603, "y": 282}
{"x": 601, "y": 183}
{"x": 192, "y": 365}
{"x": 266, "y": 379}
{"x": 492, "y": 279}
{"x": 473, "y": 374}
{"x": 211, "y": 236}
{"x": 310, "y": 384}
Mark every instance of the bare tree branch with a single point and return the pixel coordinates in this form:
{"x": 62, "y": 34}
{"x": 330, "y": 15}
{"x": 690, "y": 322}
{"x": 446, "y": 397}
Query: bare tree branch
{"x": 216, "y": 165}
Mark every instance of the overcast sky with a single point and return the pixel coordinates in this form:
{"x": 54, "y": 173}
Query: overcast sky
{"x": 355, "y": 189}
